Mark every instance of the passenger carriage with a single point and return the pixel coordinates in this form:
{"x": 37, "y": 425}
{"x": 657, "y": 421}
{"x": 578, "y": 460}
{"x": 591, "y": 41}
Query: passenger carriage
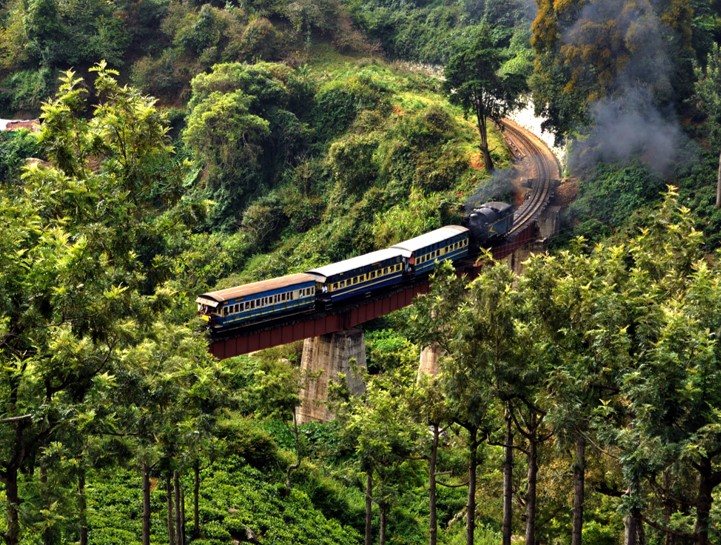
{"x": 359, "y": 275}
{"x": 422, "y": 252}
{"x": 259, "y": 301}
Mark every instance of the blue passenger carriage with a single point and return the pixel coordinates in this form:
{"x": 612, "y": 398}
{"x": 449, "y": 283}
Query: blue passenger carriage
{"x": 359, "y": 275}
{"x": 422, "y": 252}
{"x": 258, "y": 301}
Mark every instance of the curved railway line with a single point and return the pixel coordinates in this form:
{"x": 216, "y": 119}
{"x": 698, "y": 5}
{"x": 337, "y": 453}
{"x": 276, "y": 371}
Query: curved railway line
{"x": 536, "y": 163}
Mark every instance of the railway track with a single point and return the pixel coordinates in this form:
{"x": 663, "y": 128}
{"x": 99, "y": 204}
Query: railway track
{"x": 537, "y": 164}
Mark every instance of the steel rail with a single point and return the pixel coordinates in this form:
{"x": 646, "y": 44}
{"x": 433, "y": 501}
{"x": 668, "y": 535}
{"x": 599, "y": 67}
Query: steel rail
{"x": 544, "y": 168}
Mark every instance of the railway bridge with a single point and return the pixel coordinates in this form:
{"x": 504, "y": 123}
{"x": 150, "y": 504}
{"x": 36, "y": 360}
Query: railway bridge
{"x": 330, "y": 338}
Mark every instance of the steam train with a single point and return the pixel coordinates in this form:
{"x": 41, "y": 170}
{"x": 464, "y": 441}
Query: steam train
{"x": 360, "y": 276}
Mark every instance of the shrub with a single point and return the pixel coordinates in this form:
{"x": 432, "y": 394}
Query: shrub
{"x": 611, "y": 193}
{"x": 15, "y": 148}
{"x": 338, "y": 102}
{"x": 258, "y": 40}
{"x": 26, "y": 90}
{"x": 159, "y": 76}
{"x": 263, "y": 221}
{"x": 352, "y": 162}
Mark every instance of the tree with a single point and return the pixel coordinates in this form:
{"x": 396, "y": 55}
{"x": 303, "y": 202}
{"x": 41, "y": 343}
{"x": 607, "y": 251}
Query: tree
{"x": 570, "y": 295}
{"x": 640, "y": 52}
{"x": 385, "y": 436}
{"x": 75, "y": 292}
{"x": 474, "y": 80}
{"x": 243, "y": 129}
{"x": 428, "y": 405}
{"x": 708, "y": 99}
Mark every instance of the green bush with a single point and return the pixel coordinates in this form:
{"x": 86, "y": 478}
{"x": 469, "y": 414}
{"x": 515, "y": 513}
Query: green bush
{"x": 15, "y": 148}
{"x": 247, "y": 439}
{"x": 352, "y": 162}
{"x": 26, "y": 90}
{"x": 611, "y": 193}
{"x": 339, "y": 101}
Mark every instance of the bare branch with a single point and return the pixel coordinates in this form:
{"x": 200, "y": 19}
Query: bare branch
{"x": 15, "y": 418}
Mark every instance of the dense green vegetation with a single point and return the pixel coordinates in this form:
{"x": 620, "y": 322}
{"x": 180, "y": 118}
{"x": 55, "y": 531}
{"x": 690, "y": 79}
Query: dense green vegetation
{"x": 187, "y": 145}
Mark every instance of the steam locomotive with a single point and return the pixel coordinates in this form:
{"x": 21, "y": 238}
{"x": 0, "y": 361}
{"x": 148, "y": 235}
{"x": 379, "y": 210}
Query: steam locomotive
{"x": 359, "y": 276}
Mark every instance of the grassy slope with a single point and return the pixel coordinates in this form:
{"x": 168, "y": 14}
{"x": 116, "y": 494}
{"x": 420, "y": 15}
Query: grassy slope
{"x": 425, "y": 162}
{"x": 234, "y": 498}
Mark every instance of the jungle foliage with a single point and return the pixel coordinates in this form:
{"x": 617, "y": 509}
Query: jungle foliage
{"x": 576, "y": 400}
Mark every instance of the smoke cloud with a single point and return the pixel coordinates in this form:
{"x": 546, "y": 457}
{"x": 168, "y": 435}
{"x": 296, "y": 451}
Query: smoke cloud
{"x": 629, "y": 122}
{"x": 498, "y": 188}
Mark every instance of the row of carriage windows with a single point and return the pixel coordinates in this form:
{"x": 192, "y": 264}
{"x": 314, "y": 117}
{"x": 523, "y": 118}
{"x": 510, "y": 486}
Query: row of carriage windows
{"x": 436, "y": 253}
{"x": 365, "y": 277}
{"x": 267, "y": 301}
{"x": 306, "y": 292}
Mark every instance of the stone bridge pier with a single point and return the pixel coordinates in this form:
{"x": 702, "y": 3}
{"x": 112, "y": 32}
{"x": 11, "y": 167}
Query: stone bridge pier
{"x": 324, "y": 358}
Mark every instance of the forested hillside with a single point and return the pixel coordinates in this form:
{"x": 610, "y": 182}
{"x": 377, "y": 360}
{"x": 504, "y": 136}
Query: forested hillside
{"x": 186, "y": 145}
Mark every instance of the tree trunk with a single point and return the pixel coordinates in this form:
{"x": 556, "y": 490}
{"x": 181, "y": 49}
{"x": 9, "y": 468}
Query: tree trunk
{"x": 669, "y": 508}
{"x": 633, "y": 525}
{"x": 82, "y": 505}
{"x": 178, "y": 508}
{"x": 704, "y": 502}
{"x": 369, "y": 507}
{"x": 296, "y": 465}
{"x": 146, "y": 503}
{"x": 432, "y": 517}
{"x": 531, "y": 493}
{"x": 471, "y": 502}
{"x": 483, "y": 131}
{"x": 579, "y": 475}
{"x": 50, "y": 536}
{"x": 183, "y": 536}
{"x": 196, "y": 500}
{"x": 169, "y": 503}
{"x": 10, "y": 480}
{"x": 718, "y": 185}
{"x": 383, "y": 511}
{"x": 508, "y": 481}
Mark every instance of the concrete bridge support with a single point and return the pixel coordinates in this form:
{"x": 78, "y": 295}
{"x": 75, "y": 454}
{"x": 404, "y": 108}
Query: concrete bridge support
{"x": 324, "y": 358}
{"x": 429, "y": 360}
